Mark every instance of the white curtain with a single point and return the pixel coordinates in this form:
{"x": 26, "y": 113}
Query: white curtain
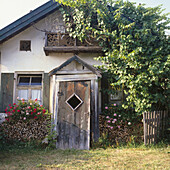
{"x": 23, "y": 94}
{"x": 36, "y": 94}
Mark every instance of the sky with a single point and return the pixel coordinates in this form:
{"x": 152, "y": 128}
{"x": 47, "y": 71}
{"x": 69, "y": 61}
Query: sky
{"x": 11, "y": 10}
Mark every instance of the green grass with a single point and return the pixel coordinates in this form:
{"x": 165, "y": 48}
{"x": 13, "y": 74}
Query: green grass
{"x": 110, "y": 158}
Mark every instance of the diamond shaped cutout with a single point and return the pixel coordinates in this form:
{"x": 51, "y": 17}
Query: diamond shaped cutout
{"x": 74, "y": 101}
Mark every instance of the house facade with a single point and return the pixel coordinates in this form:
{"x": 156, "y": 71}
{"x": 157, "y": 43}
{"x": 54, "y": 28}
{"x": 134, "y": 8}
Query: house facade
{"x": 38, "y": 60}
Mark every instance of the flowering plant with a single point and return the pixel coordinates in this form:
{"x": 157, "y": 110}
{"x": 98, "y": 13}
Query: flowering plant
{"x": 25, "y": 111}
{"x": 117, "y": 117}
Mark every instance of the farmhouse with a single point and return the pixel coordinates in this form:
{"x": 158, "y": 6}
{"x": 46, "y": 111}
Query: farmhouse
{"x": 38, "y": 60}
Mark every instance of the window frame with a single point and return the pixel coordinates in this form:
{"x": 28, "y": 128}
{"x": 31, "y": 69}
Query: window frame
{"x": 24, "y": 41}
{"x": 29, "y": 87}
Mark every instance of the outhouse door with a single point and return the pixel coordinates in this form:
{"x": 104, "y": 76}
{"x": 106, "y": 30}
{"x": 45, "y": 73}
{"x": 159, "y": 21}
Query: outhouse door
{"x": 73, "y": 119}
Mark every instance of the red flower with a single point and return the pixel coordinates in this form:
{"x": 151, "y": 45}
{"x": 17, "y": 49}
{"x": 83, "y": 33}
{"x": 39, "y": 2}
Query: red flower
{"x": 35, "y": 109}
{"x": 10, "y": 107}
{"x": 35, "y": 117}
{"x": 13, "y": 110}
{"x": 14, "y": 103}
{"x": 44, "y": 110}
{"x": 18, "y": 110}
{"x": 6, "y": 119}
{"x": 6, "y": 110}
{"x": 9, "y": 104}
{"x": 29, "y": 107}
{"x": 31, "y": 113}
{"x": 35, "y": 99}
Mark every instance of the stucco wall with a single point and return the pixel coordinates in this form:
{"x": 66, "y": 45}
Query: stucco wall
{"x": 13, "y": 59}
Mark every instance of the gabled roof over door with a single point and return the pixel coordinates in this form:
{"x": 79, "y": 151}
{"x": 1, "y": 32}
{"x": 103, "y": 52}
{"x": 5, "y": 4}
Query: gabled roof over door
{"x": 79, "y": 60}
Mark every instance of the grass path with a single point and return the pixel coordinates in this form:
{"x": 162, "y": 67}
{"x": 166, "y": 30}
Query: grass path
{"x": 132, "y": 158}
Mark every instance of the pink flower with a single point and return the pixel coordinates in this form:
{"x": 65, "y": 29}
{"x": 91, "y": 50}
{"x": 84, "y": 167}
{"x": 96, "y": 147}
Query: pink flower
{"x": 27, "y": 113}
{"x": 118, "y": 127}
{"x": 41, "y": 105}
{"x": 17, "y": 98}
{"x": 108, "y": 121}
{"x": 119, "y": 115}
{"x": 129, "y": 123}
{"x": 35, "y": 109}
{"x": 111, "y": 127}
{"x": 107, "y": 117}
{"x": 106, "y": 107}
{"x": 115, "y": 114}
{"x": 114, "y": 104}
{"x": 24, "y": 118}
{"x": 30, "y": 103}
{"x": 38, "y": 113}
{"x": 18, "y": 110}
{"x": 113, "y": 121}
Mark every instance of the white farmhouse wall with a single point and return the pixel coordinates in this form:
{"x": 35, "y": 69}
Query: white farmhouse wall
{"x": 12, "y": 59}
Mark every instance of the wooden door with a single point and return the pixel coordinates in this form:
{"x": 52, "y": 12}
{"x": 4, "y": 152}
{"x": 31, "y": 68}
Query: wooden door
{"x": 73, "y": 119}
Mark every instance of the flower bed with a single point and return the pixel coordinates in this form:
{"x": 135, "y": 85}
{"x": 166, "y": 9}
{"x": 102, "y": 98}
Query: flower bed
{"x": 26, "y": 121}
{"x": 120, "y": 125}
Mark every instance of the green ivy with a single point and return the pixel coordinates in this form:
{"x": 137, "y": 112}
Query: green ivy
{"x": 135, "y": 45}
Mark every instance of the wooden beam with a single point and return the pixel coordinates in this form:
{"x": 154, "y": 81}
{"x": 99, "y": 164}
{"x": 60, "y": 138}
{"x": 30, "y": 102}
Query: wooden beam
{"x": 73, "y": 49}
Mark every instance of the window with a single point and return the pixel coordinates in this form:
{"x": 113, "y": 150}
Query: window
{"x": 25, "y": 45}
{"x": 29, "y": 87}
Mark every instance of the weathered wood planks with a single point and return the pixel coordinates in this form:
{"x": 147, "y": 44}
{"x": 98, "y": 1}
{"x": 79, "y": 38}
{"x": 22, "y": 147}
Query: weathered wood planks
{"x": 154, "y": 125}
{"x": 73, "y": 126}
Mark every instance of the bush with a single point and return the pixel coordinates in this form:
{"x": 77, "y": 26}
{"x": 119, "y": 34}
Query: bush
{"x": 26, "y": 121}
{"x": 119, "y": 126}
{"x": 26, "y": 111}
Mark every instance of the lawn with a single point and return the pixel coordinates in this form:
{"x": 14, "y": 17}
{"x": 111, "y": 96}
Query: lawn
{"x": 122, "y": 158}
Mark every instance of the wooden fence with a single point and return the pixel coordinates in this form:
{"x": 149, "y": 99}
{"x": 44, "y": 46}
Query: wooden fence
{"x": 154, "y": 124}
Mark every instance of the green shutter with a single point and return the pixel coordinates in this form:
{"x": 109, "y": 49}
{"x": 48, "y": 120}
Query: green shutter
{"x": 46, "y": 90}
{"x": 7, "y": 85}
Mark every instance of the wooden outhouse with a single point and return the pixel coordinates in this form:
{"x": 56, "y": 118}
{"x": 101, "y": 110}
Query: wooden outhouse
{"x": 74, "y": 103}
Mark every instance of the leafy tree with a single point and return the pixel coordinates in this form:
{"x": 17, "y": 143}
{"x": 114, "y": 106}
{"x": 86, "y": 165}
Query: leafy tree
{"x": 136, "y": 48}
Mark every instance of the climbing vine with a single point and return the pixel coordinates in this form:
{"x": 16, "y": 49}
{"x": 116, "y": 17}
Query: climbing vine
{"x": 136, "y": 48}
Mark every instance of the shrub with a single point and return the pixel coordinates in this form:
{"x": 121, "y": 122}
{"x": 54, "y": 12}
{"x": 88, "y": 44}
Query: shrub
{"x": 26, "y": 111}
{"x": 120, "y": 126}
{"x": 116, "y": 116}
{"x": 26, "y": 121}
